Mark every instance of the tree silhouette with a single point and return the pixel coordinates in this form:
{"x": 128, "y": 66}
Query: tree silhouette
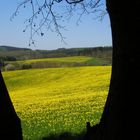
{"x": 120, "y": 118}
{"x": 10, "y": 125}
{"x": 119, "y": 121}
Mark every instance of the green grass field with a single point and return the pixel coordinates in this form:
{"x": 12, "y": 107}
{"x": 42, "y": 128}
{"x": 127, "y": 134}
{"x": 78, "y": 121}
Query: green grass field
{"x": 55, "y": 100}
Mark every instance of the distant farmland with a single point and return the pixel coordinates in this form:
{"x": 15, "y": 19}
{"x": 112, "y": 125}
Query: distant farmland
{"x": 50, "y": 101}
{"x": 73, "y": 61}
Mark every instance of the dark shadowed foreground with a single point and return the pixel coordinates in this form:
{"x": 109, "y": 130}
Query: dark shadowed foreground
{"x": 64, "y": 136}
{"x": 91, "y": 133}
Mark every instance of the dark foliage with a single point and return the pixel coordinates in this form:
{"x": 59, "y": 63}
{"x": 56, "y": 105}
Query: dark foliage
{"x": 13, "y": 53}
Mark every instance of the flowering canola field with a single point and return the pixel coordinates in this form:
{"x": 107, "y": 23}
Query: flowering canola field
{"x": 55, "y": 100}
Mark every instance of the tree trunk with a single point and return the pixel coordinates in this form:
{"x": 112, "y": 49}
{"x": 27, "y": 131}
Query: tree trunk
{"x": 10, "y": 125}
{"x": 120, "y": 118}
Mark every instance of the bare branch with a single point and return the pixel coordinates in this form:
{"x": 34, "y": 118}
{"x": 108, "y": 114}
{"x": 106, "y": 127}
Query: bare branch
{"x": 74, "y": 1}
{"x": 45, "y": 14}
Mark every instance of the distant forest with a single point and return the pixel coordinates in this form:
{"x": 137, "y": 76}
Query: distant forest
{"x": 8, "y": 53}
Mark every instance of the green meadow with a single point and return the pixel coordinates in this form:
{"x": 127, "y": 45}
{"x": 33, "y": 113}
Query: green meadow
{"x": 54, "y": 100}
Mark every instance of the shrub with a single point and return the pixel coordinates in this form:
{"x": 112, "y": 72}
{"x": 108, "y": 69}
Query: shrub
{"x": 9, "y": 67}
{"x": 26, "y": 66}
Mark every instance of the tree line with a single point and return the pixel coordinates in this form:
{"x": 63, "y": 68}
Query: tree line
{"x": 24, "y": 54}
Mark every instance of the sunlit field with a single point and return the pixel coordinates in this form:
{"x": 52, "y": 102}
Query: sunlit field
{"x": 63, "y": 59}
{"x": 55, "y": 100}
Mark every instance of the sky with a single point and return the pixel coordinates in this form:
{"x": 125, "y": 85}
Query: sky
{"x": 88, "y": 33}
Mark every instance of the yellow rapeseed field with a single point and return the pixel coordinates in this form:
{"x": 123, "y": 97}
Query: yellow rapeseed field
{"x": 56, "y": 100}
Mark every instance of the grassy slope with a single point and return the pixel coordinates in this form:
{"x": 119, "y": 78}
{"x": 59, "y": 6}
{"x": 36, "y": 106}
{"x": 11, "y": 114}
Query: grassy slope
{"x": 62, "y": 59}
{"x": 73, "y": 61}
{"x": 57, "y": 100}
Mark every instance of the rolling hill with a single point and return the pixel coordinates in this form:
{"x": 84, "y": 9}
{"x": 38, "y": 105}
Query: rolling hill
{"x": 24, "y": 58}
{"x": 26, "y": 53}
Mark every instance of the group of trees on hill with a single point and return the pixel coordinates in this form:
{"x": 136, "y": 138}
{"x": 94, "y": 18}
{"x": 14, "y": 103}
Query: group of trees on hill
{"x": 9, "y": 54}
{"x": 89, "y": 51}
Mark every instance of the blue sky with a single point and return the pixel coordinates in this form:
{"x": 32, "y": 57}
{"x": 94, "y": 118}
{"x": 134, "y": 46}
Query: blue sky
{"x": 89, "y": 33}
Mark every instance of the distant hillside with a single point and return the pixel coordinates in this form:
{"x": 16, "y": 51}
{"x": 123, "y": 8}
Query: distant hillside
{"x": 9, "y": 48}
{"x": 16, "y": 53}
{"x": 13, "y": 58}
